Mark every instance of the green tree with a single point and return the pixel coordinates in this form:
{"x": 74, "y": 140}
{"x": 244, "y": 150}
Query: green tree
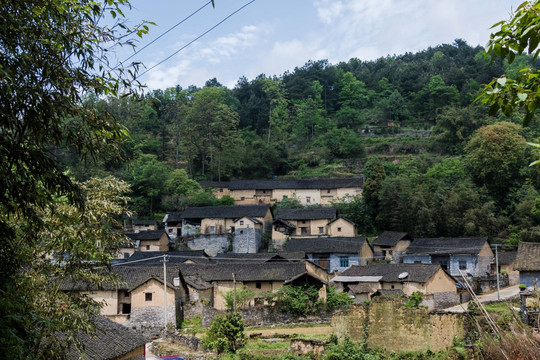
{"x": 226, "y": 334}
{"x": 178, "y": 187}
{"x": 494, "y": 156}
{"x": 53, "y": 53}
{"x": 243, "y": 297}
{"x": 516, "y": 36}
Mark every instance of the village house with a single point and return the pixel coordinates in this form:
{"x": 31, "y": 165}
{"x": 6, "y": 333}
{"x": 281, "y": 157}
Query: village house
{"x": 507, "y": 260}
{"x": 149, "y": 240}
{"x": 309, "y": 223}
{"x": 210, "y": 283}
{"x": 111, "y": 341}
{"x": 138, "y": 300}
{"x": 238, "y": 228}
{"x": 363, "y": 282}
{"x": 333, "y": 253}
{"x": 528, "y": 263}
{"x": 308, "y": 191}
{"x": 135, "y": 226}
{"x": 470, "y": 256}
{"x": 262, "y": 257}
{"x": 390, "y": 246}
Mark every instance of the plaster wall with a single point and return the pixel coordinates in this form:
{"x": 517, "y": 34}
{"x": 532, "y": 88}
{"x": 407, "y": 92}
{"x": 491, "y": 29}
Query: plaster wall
{"x": 138, "y": 298}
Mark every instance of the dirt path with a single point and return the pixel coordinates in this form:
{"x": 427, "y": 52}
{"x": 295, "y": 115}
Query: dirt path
{"x": 304, "y": 330}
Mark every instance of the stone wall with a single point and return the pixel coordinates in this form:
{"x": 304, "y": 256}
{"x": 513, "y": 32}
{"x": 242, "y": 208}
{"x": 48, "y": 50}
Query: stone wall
{"x": 247, "y": 240}
{"x": 391, "y": 325}
{"x": 213, "y": 244}
{"x": 149, "y": 320}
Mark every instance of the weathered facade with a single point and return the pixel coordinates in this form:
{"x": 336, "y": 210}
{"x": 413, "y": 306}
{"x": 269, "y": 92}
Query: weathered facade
{"x": 308, "y": 192}
{"x": 391, "y": 245}
{"x": 528, "y": 263}
{"x": 470, "y": 256}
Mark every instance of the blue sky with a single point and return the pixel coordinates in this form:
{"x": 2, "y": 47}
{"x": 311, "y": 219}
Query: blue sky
{"x": 273, "y": 36}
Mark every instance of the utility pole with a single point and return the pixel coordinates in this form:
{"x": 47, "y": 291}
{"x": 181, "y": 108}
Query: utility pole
{"x": 497, "y": 269}
{"x": 165, "y": 259}
{"x": 234, "y": 286}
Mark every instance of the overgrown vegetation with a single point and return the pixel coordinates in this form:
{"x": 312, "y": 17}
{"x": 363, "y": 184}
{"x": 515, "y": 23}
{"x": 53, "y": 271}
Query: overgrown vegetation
{"x": 226, "y": 334}
{"x": 243, "y": 296}
{"x": 337, "y": 300}
{"x": 298, "y": 300}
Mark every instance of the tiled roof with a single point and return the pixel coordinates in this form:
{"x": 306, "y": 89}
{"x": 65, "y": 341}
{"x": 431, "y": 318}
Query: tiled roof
{"x": 198, "y": 256}
{"x": 447, "y": 246}
{"x": 343, "y": 245}
{"x": 306, "y": 214}
{"x": 145, "y": 222}
{"x": 390, "y": 272}
{"x": 506, "y": 257}
{"x": 287, "y": 184}
{"x": 252, "y": 271}
{"x": 150, "y": 235}
{"x": 528, "y": 257}
{"x": 225, "y": 212}
{"x": 258, "y": 257}
{"x": 390, "y": 238}
{"x": 361, "y": 288}
{"x": 173, "y": 217}
{"x": 111, "y": 341}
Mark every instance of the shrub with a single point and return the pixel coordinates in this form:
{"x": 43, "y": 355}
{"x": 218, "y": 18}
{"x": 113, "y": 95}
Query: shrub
{"x": 243, "y": 297}
{"x": 415, "y": 299}
{"x": 298, "y": 300}
{"x": 335, "y": 300}
{"x": 226, "y": 334}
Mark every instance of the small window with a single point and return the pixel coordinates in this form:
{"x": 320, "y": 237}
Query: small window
{"x": 241, "y": 231}
{"x": 170, "y": 230}
{"x": 339, "y": 229}
{"x": 258, "y": 285}
{"x": 241, "y": 222}
{"x": 147, "y": 247}
{"x": 126, "y": 255}
{"x": 343, "y": 261}
{"x": 148, "y": 296}
{"x": 321, "y": 230}
{"x": 392, "y": 286}
{"x": 303, "y": 221}
{"x": 126, "y": 293}
{"x": 462, "y": 265}
{"x": 328, "y": 191}
{"x": 220, "y": 190}
{"x": 212, "y": 229}
{"x": 390, "y": 252}
{"x": 308, "y": 199}
{"x": 242, "y": 198}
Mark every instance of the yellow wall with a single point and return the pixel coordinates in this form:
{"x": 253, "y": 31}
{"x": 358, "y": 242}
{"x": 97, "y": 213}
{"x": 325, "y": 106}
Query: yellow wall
{"x": 348, "y": 193}
{"x": 108, "y": 299}
{"x": 156, "y": 288}
{"x": 120, "y": 254}
{"x": 440, "y": 282}
{"x": 366, "y": 254}
{"x": 486, "y": 251}
{"x": 161, "y": 245}
{"x": 347, "y": 228}
{"x": 248, "y": 195}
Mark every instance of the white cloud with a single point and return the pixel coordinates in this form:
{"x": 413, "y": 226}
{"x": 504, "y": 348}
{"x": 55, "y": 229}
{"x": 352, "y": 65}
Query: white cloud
{"x": 328, "y": 10}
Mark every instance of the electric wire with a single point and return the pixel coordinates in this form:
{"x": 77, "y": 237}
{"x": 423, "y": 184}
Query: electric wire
{"x": 166, "y": 32}
{"x": 197, "y": 38}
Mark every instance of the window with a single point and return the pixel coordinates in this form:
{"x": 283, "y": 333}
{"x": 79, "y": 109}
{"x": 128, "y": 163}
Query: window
{"x": 170, "y": 230}
{"x": 390, "y": 252}
{"x": 212, "y": 229}
{"x": 126, "y": 293}
{"x": 220, "y": 190}
{"x": 321, "y": 230}
{"x": 339, "y": 229}
{"x": 147, "y": 296}
{"x": 242, "y": 198}
{"x": 343, "y": 261}
{"x": 147, "y": 247}
{"x": 303, "y": 221}
{"x": 308, "y": 199}
{"x": 462, "y": 265}
{"x": 417, "y": 262}
{"x": 241, "y": 231}
{"x": 258, "y": 285}
{"x": 241, "y": 222}
{"x": 126, "y": 255}
{"x": 328, "y": 191}
{"x": 393, "y": 286}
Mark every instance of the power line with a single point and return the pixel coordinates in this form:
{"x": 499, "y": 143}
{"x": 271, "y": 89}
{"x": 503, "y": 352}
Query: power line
{"x": 166, "y": 32}
{"x": 197, "y": 38}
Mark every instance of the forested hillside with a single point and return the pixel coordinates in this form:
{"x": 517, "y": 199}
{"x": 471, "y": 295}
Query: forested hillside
{"x": 434, "y": 162}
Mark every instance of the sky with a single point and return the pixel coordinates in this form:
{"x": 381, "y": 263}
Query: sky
{"x": 274, "y": 36}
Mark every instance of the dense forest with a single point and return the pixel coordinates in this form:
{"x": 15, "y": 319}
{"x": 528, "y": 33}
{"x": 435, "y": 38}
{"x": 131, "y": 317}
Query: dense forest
{"x": 435, "y": 162}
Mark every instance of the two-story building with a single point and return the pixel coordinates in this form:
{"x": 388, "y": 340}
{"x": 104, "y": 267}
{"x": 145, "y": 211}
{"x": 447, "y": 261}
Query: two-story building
{"x": 333, "y": 253}
{"x": 149, "y": 240}
{"x": 391, "y": 245}
{"x": 307, "y": 191}
{"x": 468, "y": 256}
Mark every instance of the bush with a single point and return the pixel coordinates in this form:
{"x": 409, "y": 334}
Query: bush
{"x": 243, "y": 297}
{"x": 226, "y": 334}
{"x": 415, "y": 299}
{"x": 298, "y": 300}
{"x": 335, "y": 300}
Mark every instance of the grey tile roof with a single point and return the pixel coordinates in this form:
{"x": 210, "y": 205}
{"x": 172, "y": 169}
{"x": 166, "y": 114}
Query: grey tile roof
{"x": 173, "y": 217}
{"x": 225, "y": 212}
{"x": 253, "y": 271}
{"x": 447, "y": 246}
{"x": 528, "y": 257}
{"x": 198, "y": 256}
{"x": 506, "y": 257}
{"x": 390, "y": 238}
{"x": 286, "y": 184}
{"x": 390, "y": 272}
{"x": 111, "y": 341}
{"x": 258, "y": 257}
{"x": 360, "y": 288}
{"x": 145, "y": 222}
{"x": 150, "y": 235}
{"x": 306, "y": 214}
{"x": 342, "y": 245}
